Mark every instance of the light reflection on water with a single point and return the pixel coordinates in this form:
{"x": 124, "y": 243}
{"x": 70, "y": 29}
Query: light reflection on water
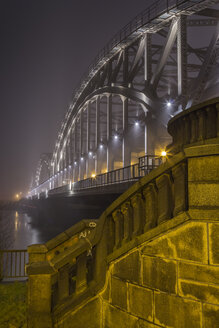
{"x": 16, "y": 231}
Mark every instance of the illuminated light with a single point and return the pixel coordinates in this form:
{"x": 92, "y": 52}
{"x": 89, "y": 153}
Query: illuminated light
{"x": 136, "y": 123}
{"x": 93, "y": 175}
{"x": 115, "y": 137}
{"x": 90, "y": 153}
{"x": 169, "y": 104}
{"x": 75, "y": 163}
{"x": 101, "y": 146}
{"x": 82, "y": 158}
{"x": 163, "y": 153}
{"x": 65, "y": 169}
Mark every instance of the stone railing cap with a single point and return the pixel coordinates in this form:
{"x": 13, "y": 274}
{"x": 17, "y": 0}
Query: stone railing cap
{"x": 192, "y": 109}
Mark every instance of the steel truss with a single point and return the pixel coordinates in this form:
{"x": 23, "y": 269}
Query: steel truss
{"x": 153, "y": 68}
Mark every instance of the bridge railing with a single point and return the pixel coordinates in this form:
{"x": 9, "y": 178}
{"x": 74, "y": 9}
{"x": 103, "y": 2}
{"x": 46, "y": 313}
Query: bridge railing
{"x": 12, "y": 264}
{"x": 129, "y": 173}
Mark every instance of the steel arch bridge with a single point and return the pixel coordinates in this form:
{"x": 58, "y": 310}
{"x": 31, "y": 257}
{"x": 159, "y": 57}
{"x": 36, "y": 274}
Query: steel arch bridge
{"x": 161, "y": 63}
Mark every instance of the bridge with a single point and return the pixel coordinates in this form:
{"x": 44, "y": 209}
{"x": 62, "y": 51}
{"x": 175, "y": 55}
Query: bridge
{"x": 115, "y": 128}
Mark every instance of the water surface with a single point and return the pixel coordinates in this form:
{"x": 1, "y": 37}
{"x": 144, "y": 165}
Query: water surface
{"x": 17, "y": 231}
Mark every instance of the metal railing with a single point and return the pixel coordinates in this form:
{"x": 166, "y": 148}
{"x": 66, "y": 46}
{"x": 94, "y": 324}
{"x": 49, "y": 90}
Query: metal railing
{"x": 12, "y": 263}
{"x": 124, "y": 174}
{"x": 129, "y": 173}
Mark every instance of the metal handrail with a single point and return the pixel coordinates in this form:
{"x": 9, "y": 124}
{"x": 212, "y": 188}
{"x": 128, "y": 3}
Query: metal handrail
{"x": 129, "y": 173}
{"x": 12, "y": 263}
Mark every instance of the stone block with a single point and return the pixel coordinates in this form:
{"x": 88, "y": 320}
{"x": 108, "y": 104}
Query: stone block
{"x": 203, "y": 194}
{"x": 214, "y": 243}
{"x": 210, "y": 316}
{"x": 113, "y": 317}
{"x": 202, "y": 273}
{"x": 119, "y": 293}
{"x": 159, "y": 274}
{"x": 176, "y": 312}
{"x": 197, "y": 168}
{"x": 88, "y": 315}
{"x": 199, "y": 291}
{"x": 188, "y": 241}
{"x": 128, "y": 268}
{"x": 140, "y": 302}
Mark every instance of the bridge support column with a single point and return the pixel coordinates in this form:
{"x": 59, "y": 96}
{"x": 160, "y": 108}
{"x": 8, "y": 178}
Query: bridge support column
{"x": 97, "y": 134}
{"x": 145, "y": 136}
{"x": 81, "y": 155}
{"x": 88, "y": 142}
{"x": 110, "y": 163}
{"x": 149, "y": 135}
{"x": 126, "y": 154}
{"x": 182, "y": 60}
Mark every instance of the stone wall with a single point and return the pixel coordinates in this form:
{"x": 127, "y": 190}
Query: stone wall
{"x": 174, "y": 281}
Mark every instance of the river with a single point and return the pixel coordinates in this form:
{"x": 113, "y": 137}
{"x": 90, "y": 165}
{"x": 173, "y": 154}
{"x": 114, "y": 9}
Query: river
{"x": 17, "y": 231}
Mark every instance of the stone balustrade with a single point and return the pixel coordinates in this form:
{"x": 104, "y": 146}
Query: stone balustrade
{"x": 194, "y": 126}
{"x": 71, "y": 268}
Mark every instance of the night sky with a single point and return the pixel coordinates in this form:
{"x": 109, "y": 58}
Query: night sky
{"x": 46, "y": 46}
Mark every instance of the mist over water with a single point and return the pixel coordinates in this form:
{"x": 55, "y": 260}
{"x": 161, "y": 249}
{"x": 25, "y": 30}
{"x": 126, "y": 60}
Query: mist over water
{"x": 17, "y": 231}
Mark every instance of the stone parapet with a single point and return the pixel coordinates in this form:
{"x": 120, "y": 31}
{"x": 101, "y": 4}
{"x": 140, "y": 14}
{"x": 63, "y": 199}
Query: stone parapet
{"x": 197, "y": 125}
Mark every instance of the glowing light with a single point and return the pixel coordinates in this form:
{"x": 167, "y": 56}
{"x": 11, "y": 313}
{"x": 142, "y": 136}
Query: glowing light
{"x": 136, "y": 123}
{"x": 115, "y": 137}
{"x": 101, "y": 146}
{"x": 90, "y": 153}
{"x": 82, "y": 158}
{"x": 93, "y": 175}
{"x": 75, "y": 163}
{"x": 169, "y": 104}
{"x": 163, "y": 153}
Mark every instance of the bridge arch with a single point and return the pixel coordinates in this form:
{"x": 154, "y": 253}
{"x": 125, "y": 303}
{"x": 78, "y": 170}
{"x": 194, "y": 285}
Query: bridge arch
{"x": 154, "y": 64}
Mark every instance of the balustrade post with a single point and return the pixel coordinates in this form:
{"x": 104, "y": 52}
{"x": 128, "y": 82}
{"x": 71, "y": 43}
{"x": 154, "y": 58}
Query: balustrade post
{"x": 63, "y": 282}
{"x": 1, "y": 265}
{"x": 193, "y": 127}
{"x": 111, "y": 234}
{"x": 150, "y": 195}
{"x": 138, "y": 214}
{"x": 217, "y": 112}
{"x": 81, "y": 275}
{"x": 187, "y": 131}
{"x": 118, "y": 219}
{"x": 127, "y": 214}
{"x": 201, "y": 125}
{"x": 211, "y": 122}
{"x": 179, "y": 177}
{"x": 39, "y": 295}
{"x": 164, "y": 198}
